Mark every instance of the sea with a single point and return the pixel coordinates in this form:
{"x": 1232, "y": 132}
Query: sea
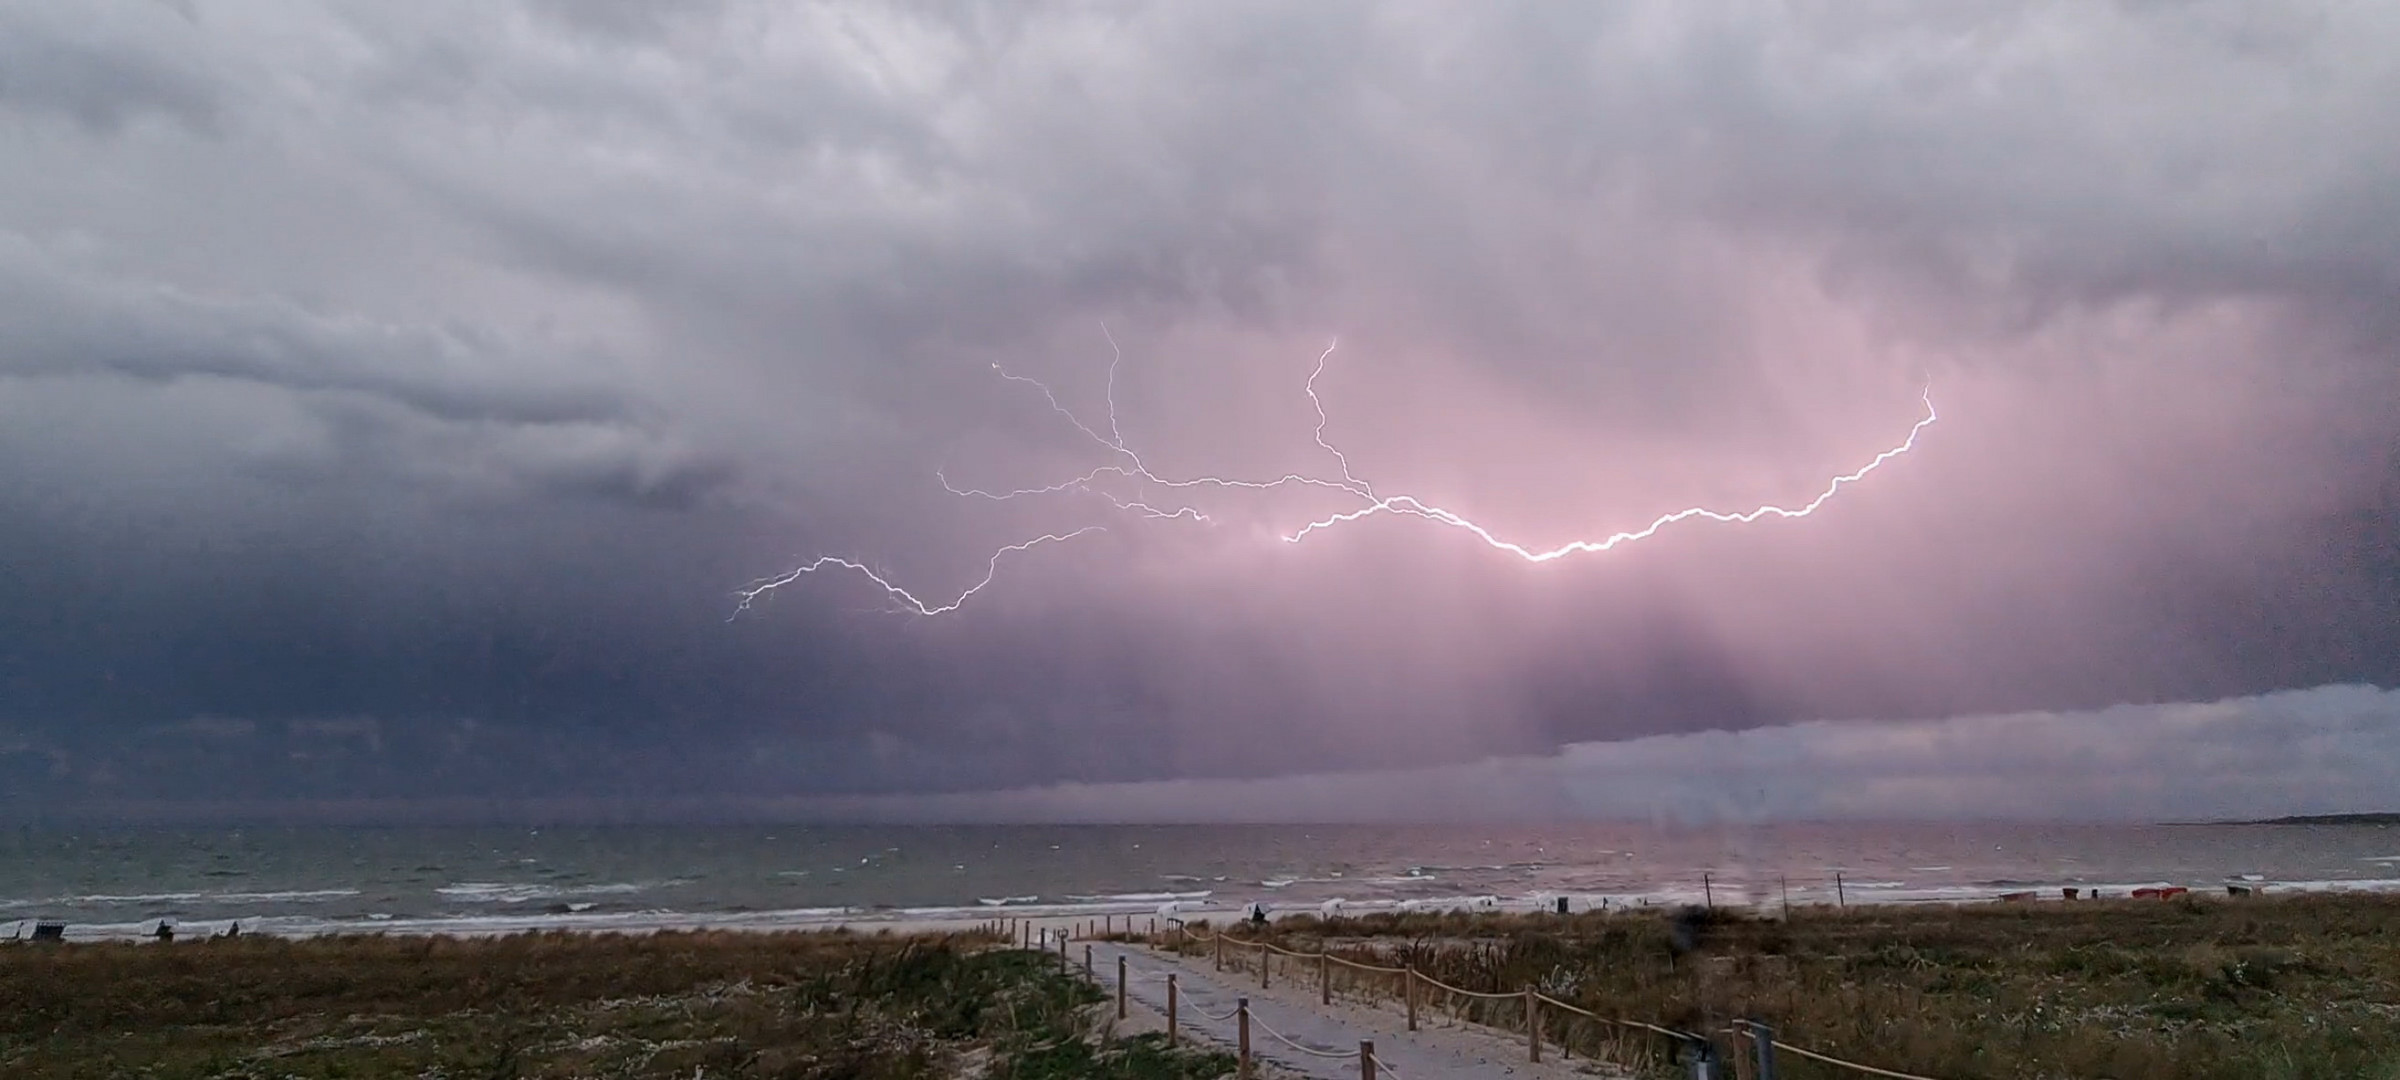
{"x": 123, "y": 881}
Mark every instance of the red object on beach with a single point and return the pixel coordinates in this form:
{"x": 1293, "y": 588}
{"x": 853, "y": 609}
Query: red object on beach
{"x": 2163, "y": 893}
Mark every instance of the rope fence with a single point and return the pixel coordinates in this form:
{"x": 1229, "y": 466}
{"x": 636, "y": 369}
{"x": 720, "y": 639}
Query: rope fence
{"x": 1700, "y": 1049}
{"x": 1760, "y": 1035}
{"x": 1302, "y": 1047}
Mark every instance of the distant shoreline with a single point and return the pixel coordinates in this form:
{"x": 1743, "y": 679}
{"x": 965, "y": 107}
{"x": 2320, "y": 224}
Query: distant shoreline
{"x": 2386, "y": 818}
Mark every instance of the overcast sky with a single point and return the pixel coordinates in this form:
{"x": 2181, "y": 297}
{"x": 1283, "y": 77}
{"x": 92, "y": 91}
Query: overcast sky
{"x": 396, "y": 398}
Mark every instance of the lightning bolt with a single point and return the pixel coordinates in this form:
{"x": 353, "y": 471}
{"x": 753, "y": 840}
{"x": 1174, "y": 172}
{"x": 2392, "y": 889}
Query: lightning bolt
{"x": 1126, "y": 466}
{"x": 905, "y": 598}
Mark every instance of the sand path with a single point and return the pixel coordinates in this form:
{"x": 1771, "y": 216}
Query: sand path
{"x": 1442, "y": 1049}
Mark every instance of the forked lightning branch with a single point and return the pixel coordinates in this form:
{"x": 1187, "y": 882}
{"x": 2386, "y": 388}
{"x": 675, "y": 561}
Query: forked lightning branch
{"x": 1129, "y": 484}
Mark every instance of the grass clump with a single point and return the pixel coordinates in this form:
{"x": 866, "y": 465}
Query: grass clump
{"x": 815, "y": 1006}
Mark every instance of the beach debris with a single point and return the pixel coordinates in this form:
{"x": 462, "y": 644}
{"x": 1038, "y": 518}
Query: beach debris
{"x": 2167, "y": 892}
{"x": 49, "y": 931}
{"x": 1255, "y": 912}
{"x": 1331, "y": 909}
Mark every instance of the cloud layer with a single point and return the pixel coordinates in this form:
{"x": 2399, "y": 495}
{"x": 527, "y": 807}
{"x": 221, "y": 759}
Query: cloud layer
{"x": 446, "y": 368}
{"x": 2326, "y": 750}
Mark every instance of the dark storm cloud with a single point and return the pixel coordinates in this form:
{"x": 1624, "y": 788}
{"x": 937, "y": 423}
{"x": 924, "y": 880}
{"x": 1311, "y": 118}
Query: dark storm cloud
{"x": 54, "y": 62}
{"x": 392, "y": 397}
{"x": 59, "y": 325}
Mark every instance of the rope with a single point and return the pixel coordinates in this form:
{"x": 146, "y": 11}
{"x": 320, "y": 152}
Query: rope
{"x": 1669, "y": 1032}
{"x": 1382, "y": 1069}
{"x": 1229, "y": 1013}
{"x": 1830, "y": 1060}
{"x": 1285, "y": 1040}
{"x": 1366, "y": 967}
{"x": 1469, "y": 993}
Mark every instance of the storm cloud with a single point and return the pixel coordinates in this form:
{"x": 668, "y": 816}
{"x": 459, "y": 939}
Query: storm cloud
{"x": 393, "y": 399}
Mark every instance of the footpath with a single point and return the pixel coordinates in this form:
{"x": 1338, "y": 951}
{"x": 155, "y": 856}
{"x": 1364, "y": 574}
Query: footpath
{"x": 1296, "y": 1035}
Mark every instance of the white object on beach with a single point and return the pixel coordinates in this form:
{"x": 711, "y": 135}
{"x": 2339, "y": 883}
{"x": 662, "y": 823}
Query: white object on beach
{"x": 1330, "y": 909}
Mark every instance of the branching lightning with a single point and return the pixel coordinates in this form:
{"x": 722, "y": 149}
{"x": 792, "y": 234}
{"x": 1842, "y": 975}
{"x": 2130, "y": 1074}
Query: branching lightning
{"x": 1126, "y": 466}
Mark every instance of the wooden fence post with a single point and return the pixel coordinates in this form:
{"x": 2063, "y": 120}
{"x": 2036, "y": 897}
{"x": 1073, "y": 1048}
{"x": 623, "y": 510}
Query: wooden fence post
{"x": 1704, "y": 1059}
{"x": 1762, "y": 1047}
{"x": 1219, "y": 955}
{"x": 1241, "y": 1012}
{"x": 1366, "y": 1059}
{"x": 1265, "y": 960}
{"x": 1087, "y": 961}
{"x": 1120, "y": 986}
{"x": 1533, "y": 1024}
{"x": 1324, "y": 981}
{"x": 1409, "y": 986}
{"x": 1171, "y": 1030}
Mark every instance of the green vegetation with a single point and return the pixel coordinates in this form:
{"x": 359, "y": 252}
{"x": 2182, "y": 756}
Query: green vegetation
{"x": 558, "y": 1005}
{"x": 2260, "y": 987}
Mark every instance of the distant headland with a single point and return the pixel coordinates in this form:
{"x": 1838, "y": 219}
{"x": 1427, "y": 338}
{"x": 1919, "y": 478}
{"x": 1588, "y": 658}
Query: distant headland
{"x": 2330, "y": 819}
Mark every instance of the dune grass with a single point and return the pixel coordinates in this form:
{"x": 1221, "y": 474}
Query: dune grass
{"x": 2272, "y": 988}
{"x": 559, "y": 1005}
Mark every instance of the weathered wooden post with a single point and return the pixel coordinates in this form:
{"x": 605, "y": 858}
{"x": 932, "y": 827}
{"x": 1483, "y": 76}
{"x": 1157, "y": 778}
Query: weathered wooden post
{"x": 1120, "y": 987}
{"x": 1409, "y": 987}
{"x": 1762, "y": 1050}
{"x": 1087, "y": 961}
{"x": 1533, "y": 1024}
{"x": 1708, "y": 891}
{"x": 1366, "y": 1059}
{"x": 1219, "y": 956}
{"x": 1241, "y": 1012}
{"x": 1171, "y": 997}
{"x": 1839, "y": 899}
{"x": 1265, "y": 960}
{"x": 1704, "y": 1059}
{"x": 1324, "y": 981}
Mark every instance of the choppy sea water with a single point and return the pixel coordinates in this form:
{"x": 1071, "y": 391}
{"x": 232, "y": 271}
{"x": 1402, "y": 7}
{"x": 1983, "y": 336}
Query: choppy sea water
{"x": 121, "y": 881}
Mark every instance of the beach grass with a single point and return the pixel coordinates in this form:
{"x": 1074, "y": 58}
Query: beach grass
{"x": 2259, "y": 988}
{"x": 678, "y": 1005}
